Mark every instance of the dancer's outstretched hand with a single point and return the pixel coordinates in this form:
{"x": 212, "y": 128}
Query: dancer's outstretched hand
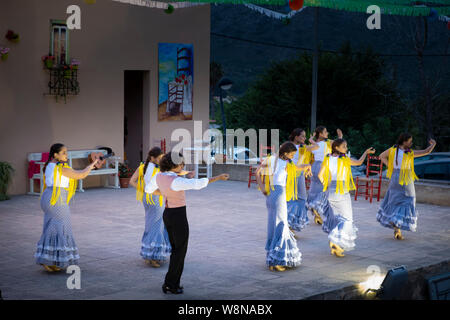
{"x": 371, "y": 150}
{"x": 191, "y": 174}
{"x": 339, "y": 133}
{"x": 224, "y": 176}
{"x": 432, "y": 142}
{"x": 308, "y": 172}
{"x": 92, "y": 165}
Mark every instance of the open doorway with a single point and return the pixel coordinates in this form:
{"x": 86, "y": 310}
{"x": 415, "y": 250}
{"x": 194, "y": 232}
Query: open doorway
{"x": 134, "y": 93}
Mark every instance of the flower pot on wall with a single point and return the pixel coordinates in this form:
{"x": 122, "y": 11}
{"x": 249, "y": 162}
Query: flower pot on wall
{"x": 124, "y": 182}
{"x": 4, "y": 56}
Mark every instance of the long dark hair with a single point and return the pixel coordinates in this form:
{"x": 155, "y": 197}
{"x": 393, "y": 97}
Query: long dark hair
{"x": 167, "y": 164}
{"x": 55, "y": 148}
{"x": 336, "y": 143}
{"x": 318, "y": 131}
{"x": 405, "y": 136}
{"x": 154, "y": 152}
{"x": 296, "y": 132}
{"x": 286, "y": 147}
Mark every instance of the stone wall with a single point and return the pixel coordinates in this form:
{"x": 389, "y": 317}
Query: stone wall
{"x": 437, "y": 194}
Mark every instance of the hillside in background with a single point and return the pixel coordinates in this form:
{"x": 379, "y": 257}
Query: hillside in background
{"x": 244, "y": 61}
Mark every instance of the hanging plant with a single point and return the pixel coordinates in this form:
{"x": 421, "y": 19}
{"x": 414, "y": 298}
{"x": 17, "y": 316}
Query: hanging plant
{"x": 67, "y": 71}
{"x": 48, "y": 61}
{"x": 295, "y": 4}
{"x": 4, "y": 51}
{"x": 169, "y": 9}
{"x": 11, "y": 36}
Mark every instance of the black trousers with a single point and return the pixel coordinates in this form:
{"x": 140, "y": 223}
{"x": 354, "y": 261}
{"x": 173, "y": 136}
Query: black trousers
{"x": 177, "y": 226}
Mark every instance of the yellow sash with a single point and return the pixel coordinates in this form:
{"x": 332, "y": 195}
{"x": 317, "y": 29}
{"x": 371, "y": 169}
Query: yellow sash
{"x": 343, "y": 183}
{"x": 407, "y": 174}
{"x": 56, "y": 194}
{"x": 304, "y": 157}
{"x": 291, "y": 182}
{"x": 141, "y": 185}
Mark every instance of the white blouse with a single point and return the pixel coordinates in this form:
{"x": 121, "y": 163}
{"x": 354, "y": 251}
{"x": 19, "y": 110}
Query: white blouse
{"x": 333, "y": 166}
{"x": 150, "y": 183}
{"x": 399, "y": 159}
{"x": 179, "y": 184}
{"x": 295, "y": 159}
{"x": 49, "y": 177}
{"x": 319, "y": 154}
{"x": 279, "y": 173}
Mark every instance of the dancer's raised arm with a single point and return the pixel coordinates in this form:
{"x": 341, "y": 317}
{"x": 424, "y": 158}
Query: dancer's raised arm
{"x": 421, "y": 153}
{"x": 79, "y": 174}
{"x": 384, "y": 157}
{"x": 359, "y": 162}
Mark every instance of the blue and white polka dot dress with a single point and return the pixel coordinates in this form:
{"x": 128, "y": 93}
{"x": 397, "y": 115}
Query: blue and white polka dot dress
{"x": 338, "y": 218}
{"x": 398, "y": 208}
{"x": 317, "y": 199}
{"x": 297, "y": 210}
{"x": 155, "y": 241}
{"x": 56, "y": 246}
{"x": 281, "y": 246}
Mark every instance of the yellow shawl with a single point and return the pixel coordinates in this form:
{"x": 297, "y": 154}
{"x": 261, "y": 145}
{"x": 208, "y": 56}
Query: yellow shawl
{"x": 56, "y": 194}
{"x": 343, "y": 183}
{"x": 407, "y": 174}
{"x": 291, "y": 182}
{"x": 304, "y": 157}
{"x": 140, "y": 186}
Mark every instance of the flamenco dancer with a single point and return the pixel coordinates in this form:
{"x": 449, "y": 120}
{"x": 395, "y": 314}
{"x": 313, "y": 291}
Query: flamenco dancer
{"x": 297, "y": 210}
{"x": 336, "y": 175}
{"x": 172, "y": 187}
{"x": 56, "y": 249}
{"x": 155, "y": 244}
{"x": 316, "y": 197}
{"x": 398, "y": 208}
{"x": 277, "y": 179}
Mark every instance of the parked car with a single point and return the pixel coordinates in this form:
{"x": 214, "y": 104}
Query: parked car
{"x": 438, "y": 169}
{"x": 433, "y": 156}
{"x": 243, "y": 153}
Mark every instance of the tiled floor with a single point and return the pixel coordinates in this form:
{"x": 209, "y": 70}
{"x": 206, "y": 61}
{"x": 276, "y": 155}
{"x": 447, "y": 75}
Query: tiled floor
{"x": 226, "y": 256}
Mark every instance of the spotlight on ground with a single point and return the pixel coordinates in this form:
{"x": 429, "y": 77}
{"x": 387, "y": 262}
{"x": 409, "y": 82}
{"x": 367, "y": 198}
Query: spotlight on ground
{"x": 388, "y": 288}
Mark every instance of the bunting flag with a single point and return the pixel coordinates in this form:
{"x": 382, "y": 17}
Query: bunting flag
{"x": 391, "y": 7}
{"x": 271, "y": 13}
{"x": 162, "y": 4}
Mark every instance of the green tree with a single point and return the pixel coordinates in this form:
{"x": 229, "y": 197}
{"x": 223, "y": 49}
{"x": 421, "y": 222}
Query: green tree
{"x": 354, "y": 94}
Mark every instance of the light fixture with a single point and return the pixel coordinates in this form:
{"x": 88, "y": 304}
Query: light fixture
{"x": 225, "y": 84}
{"x": 392, "y": 285}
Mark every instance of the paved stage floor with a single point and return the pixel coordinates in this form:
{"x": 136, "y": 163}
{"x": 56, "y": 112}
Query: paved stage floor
{"x": 225, "y": 258}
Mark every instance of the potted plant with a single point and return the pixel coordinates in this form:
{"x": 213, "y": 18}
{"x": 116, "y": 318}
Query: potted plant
{"x": 125, "y": 173}
{"x": 6, "y": 171}
{"x": 67, "y": 71}
{"x": 48, "y": 60}
{"x": 4, "y": 51}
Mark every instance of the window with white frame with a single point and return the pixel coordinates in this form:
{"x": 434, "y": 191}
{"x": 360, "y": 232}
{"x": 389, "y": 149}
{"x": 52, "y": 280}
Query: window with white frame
{"x": 59, "y": 42}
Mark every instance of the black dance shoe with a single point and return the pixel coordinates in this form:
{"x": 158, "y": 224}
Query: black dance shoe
{"x": 167, "y": 289}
